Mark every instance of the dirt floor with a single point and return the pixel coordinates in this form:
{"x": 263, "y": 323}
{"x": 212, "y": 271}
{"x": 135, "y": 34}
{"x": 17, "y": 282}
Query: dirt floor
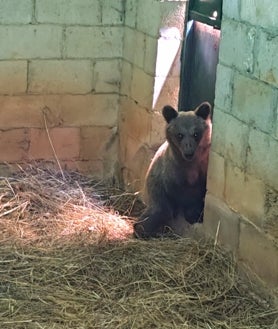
{"x": 68, "y": 259}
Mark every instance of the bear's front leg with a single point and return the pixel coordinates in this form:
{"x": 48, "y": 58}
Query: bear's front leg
{"x": 194, "y": 213}
{"x": 152, "y": 222}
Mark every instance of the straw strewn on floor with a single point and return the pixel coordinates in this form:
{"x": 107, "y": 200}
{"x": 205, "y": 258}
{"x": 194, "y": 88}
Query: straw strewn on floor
{"x": 68, "y": 260}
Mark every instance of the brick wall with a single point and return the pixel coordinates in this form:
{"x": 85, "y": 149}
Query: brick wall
{"x": 242, "y": 180}
{"x": 61, "y": 60}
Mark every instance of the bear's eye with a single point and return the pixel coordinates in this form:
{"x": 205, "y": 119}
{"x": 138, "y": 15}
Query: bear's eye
{"x": 180, "y": 136}
{"x": 196, "y": 135}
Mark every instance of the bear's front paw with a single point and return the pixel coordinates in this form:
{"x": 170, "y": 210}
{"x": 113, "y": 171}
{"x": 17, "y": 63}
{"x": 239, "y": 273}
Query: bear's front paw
{"x": 139, "y": 231}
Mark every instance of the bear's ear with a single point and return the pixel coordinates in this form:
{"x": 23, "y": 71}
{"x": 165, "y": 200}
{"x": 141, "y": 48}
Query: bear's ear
{"x": 203, "y": 110}
{"x": 169, "y": 113}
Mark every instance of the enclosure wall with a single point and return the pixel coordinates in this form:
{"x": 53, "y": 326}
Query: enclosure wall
{"x": 60, "y": 70}
{"x": 150, "y": 79}
{"x": 242, "y": 180}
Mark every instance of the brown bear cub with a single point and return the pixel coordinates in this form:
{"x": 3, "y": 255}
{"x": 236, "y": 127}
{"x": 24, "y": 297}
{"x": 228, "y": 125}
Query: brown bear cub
{"x": 176, "y": 179}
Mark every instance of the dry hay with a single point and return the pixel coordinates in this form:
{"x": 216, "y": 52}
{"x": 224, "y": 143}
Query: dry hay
{"x": 44, "y": 207}
{"x": 67, "y": 260}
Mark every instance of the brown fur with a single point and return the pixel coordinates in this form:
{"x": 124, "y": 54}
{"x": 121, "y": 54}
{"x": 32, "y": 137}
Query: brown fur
{"x": 176, "y": 178}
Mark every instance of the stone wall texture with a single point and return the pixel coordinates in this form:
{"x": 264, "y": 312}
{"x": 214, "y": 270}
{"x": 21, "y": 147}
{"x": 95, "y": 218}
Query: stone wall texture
{"x": 60, "y": 69}
{"x": 83, "y": 69}
{"x": 243, "y": 170}
{"x": 150, "y": 27}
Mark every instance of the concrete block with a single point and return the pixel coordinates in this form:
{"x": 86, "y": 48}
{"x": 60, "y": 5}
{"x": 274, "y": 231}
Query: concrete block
{"x": 135, "y": 161}
{"x": 139, "y": 49}
{"x": 66, "y": 142}
{"x": 13, "y": 77}
{"x": 142, "y": 87}
{"x": 245, "y": 194}
{"x": 152, "y": 15}
{"x": 94, "y": 42}
{"x": 259, "y": 253}
{"x": 107, "y": 76}
{"x": 126, "y": 77}
{"x": 30, "y": 41}
{"x": 96, "y": 142}
{"x": 135, "y": 121}
{"x": 270, "y": 224}
{"x": 67, "y": 110}
{"x": 230, "y": 137}
{"x": 267, "y": 61}
{"x": 221, "y": 223}
{"x": 216, "y": 175}
{"x": 130, "y": 12}
{"x": 231, "y": 9}
{"x": 16, "y": 12}
{"x": 14, "y": 145}
{"x": 223, "y": 88}
{"x": 134, "y": 47}
{"x": 167, "y": 79}
{"x": 155, "y": 61}
{"x": 173, "y": 14}
{"x": 20, "y": 111}
{"x": 60, "y": 76}
{"x": 168, "y": 43}
{"x": 176, "y": 65}
{"x": 236, "y": 46}
{"x": 129, "y": 146}
{"x": 128, "y": 44}
{"x": 83, "y": 12}
{"x": 262, "y": 160}
{"x": 89, "y": 110}
{"x": 166, "y": 90}
{"x": 253, "y": 102}
{"x": 275, "y": 130}
{"x": 157, "y": 133}
{"x": 264, "y": 12}
{"x": 113, "y": 13}
{"x": 149, "y": 17}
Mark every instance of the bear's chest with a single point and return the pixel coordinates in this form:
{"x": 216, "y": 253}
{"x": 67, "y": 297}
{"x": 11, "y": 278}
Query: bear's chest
{"x": 186, "y": 185}
{"x": 182, "y": 177}
{"x": 192, "y": 177}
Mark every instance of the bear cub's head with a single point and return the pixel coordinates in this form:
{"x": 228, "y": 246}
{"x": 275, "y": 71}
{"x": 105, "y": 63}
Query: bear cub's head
{"x": 187, "y": 131}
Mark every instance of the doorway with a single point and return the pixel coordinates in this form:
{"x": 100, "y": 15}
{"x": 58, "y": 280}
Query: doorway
{"x": 199, "y": 57}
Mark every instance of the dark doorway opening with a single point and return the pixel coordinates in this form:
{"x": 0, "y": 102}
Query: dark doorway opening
{"x": 200, "y": 51}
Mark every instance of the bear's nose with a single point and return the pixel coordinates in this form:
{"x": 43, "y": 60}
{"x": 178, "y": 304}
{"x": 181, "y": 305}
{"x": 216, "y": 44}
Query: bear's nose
{"x": 187, "y": 145}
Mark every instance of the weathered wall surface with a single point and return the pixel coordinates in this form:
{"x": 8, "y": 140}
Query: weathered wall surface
{"x": 60, "y": 66}
{"x": 71, "y": 65}
{"x": 243, "y": 175}
{"x": 152, "y": 35}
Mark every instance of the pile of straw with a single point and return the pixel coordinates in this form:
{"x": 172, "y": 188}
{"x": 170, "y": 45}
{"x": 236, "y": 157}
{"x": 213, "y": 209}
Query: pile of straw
{"x": 44, "y": 207}
{"x": 68, "y": 260}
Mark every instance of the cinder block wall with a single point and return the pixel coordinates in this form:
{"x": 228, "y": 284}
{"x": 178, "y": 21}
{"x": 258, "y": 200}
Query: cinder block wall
{"x": 242, "y": 199}
{"x": 60, "y": 67}
{"x": 141, "y": 125}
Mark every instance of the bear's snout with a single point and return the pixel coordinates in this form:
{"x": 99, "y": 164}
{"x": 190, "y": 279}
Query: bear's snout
{"x": 188, "y": 156}
{"x": 188, "y": 150}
